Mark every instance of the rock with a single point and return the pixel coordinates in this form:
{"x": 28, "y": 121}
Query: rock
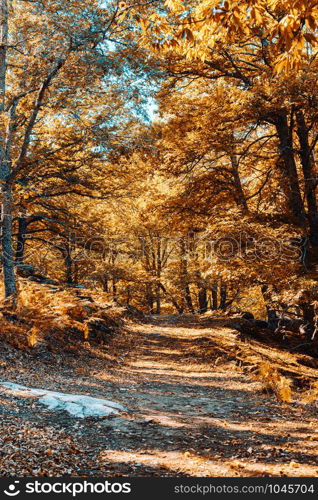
{"x": 77, "y": 405}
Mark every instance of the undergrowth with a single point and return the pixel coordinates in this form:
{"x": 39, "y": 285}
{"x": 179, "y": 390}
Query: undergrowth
{"x": 273, "y": 381}
{"x": 51, "y": 316}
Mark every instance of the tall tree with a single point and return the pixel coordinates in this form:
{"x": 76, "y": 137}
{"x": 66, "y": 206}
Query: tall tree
{"x": 54, "y": 63}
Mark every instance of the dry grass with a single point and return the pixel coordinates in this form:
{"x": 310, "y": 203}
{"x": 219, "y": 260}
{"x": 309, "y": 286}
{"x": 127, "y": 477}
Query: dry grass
{"x": 46, "y": 315}
{"x": 278, "y": 367}
{"x": 274, "y": 382}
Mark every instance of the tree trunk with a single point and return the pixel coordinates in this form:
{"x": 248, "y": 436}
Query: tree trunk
{"x": 223, "y": 296}
{"x": 68, "y": 268}
{"x": 184, "y": 276}
{"x": 105, "y": 285}
{"x": 310, "y": 178}
{"x": 239, "y": 193}
{"x": 288, "y": 168}
{"x": 158, "y": 269}
{"x": 5, "y": 164}
{"x": 214, "y": 296}
{"x": 20, "y": 247}
{"x": 202, "y": 300}
{"x": 149, "y": 298}
{"x": 3, "y": 55}
{"x": 75, "y": 272}
{"x": 202, "y": 293}
{"x": 158, "y": 300}
{"x": 114, "y": 288}
{"x": 187, "y": 295}
{"x": 7, "y": 248}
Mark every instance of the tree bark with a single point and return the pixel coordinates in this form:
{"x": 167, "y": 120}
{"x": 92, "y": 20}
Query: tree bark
{"x": 149, "y": 298}
{"x": 114, "y": 288}
{"x": 240, "y": 197}
{"x": 5, "y": 164}
{"x": 20, "y": 246}
{"x": 223, "y": 296}
{"x": 310, "y": 178}
{"x": 158, "y": 300}
{"x": 288, "y": 168}
{"x": 7, "y": 248}
{"x": 158, "y": 269}
{"x": 3, "y": 54}
{"x": 214, "y": 296}
{"x": 202, "y": 300}
{"x": 185, "y": 276}
{"x": 68, "y": 268}
{"x": 105, "y": 285}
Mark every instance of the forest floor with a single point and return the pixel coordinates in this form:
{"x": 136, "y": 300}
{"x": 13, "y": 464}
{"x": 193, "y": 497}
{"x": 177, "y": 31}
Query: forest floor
{"x": 191, "y": 411}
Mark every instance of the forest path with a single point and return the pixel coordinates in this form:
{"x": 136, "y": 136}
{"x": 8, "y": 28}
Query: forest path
{"x": 188, "y": 415}
{"x": 197, "y": 414}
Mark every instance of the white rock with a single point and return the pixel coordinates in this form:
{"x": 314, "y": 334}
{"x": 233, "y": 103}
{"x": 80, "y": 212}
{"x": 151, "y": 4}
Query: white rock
{"x": 76, "y": 405}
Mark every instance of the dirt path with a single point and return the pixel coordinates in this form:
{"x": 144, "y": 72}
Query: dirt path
{"x": 190, "y": 414}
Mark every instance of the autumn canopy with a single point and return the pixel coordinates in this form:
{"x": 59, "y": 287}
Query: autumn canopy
{"x": 162, "y": 152}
